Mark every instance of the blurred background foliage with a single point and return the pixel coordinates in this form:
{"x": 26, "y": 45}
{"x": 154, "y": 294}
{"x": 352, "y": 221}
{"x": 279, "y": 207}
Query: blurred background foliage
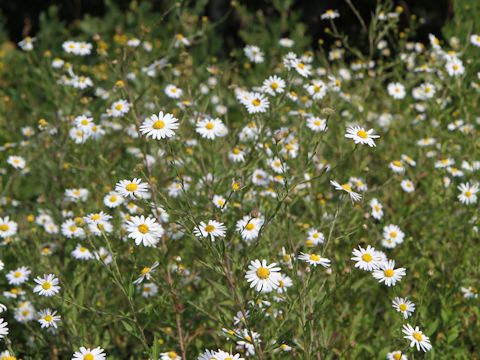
{"x": 24, "y": 18}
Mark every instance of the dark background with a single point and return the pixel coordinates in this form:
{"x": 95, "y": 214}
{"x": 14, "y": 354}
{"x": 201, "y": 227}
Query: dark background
{"x": 22, "y": 15}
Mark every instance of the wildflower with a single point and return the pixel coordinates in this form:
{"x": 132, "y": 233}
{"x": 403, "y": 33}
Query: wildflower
{"x": 159, "y": 127}
{"x": 386, "y": 273}
{"x": 149, "y": 289}
{"x": 131, "y": 188}
{"x": 264, "y": 278}
{"x": 47, "y": 286}
{"x": 211, "y": 128}
{"x": 455, "y": 67}
{"x": 273, "y": 85}
{"x": 181, "y": 40}
{"x": 3, "y": 328}
{"x": 70, "y": 229}
{"x": 302, "y": 68}
{"x": 144, "y": 230}
{"x": 8, "y": 227}
{"x": 16, "y": 161}
{"x": 171, "y": 355}
{"x": 256, "y": 103}
{"x": 396, "y": 355}
{"x": 314, "y": 259}
{"x": 284, "y": 282}
{"x": 317, "y": 89}
{"x": 113, "y": 199}
{"x": 468, "y": 193}
{"x": 392, "y": 236}
{"x": 119, "y": 108}
{"x": 348, "y": 189}
{"x": 406, "y": 307}
{"x": 416, "y": 338}
{"x": 18, "y": 276}
{"x": 396, "y": 90}
{"x": 367, "y": 259}
{"x": 317, "y": 124}
{"x": 173, "y": 92}
{"x": 249, "y": 227}
{"x": 212, "y": 228}
{"x": 360, "y": 136}
{"x": 407, "y": 186}
{"x": 82, "y": 253}
{"x": 89, "y": 354}
{"x": 254, "y": 54}
{"x": 475, "y": 40}
{"x": 27, "y": 43}
{"x": 146, "y": 273}
{"x": 330, "y": 14}
{"x": 315, "y": 237}
{"x": 377, "y": 209}
{"x": 48, "y": 318}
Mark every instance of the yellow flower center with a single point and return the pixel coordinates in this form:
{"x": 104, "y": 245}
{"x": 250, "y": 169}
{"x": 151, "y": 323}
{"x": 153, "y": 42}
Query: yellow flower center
{"x": 131, "y": 187}
{"x": 159, "y": 124}
{"x": 46, "y": 285}
{"x": 397, "y": 356}
{"x": 347, "y": 187}
{"x": 468, "y": 193}
{"x": 17, "y": 274}
{"x": 143, "y": 228}
{"x": 388, "y": 273}
{"x": 274, "y": 86}
{"x": 236, "y": 151}
{"x": 397, "y": 163}
{"x": 367, "y": 257}
{"x": 256, "y": 102}
{"x": 403, "y": 307}
{"x": 393, "y": 234}
{"x": 4, "y": 227}
{"x": 301, "y": 65}
{"x": 250, "y": 226}
{"x": 73, "y": 228}
{"x": 317, "y": 122}
{"x": 315, "y": 257}
{"x": 119, "y": 107}
{"x": 316, "y": 88}
{"x": 172, "y": 355}
{"x": 145, "y": 271}
{"x": 209, "y": 126}
{"x": 362, "y": 134}
{"x": 417, "y": 336}
{"x": 95, "y": 217}
{"x": 83, "y": 249}
{"x": 209, "y": 228}
{"x": 48, "y": 318}
{"x": 113, "y": 198}
{"x": 89, "y": 356}
{"x": 263, "y": 273}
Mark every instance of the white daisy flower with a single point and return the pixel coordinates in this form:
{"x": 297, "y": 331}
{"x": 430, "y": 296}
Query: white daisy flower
{"x": 396, "y": 90}
{"x": 416, "y": 338}
{"x": 119, "y": 108}
{"x": 387, "y": 274}
{"x": 273, "y": 85}
{"x": 173, "y": 92}
{"x": 131, "y": 188}
{"x": 160, "y": 127}
{"x": 366, "y": 259}
{"x": 264, "y": 278}
{"x": 144, "y": 230}
{"x": 407, "y": 186}
{"x": 212, "y": 228}
{"x": 348, "y": 189}
{"x": 82, "y": 253}
{"x": 256, "y": 103}
{"x": 377, "y": 209}
{"x": 361, "y": 136}
{"x": 249, "y": 227}
{"x": 3, "y": 328}
{"x": 468, "y": 193}
{"x": 18, "y": 276}
{"x": 48, "y": 285}
{"x": 8, "y": 227}
{"x": 405, "y": 306}
{"x": 314, "y": 259}
{"x": 47, "y": 318}
{"x": 211, "y": 128}
{"x": 317, "y": 124}
{"x": 254, "y": 54}
{"x": 17, "y": 162}
{"x": 89, "y": 354}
